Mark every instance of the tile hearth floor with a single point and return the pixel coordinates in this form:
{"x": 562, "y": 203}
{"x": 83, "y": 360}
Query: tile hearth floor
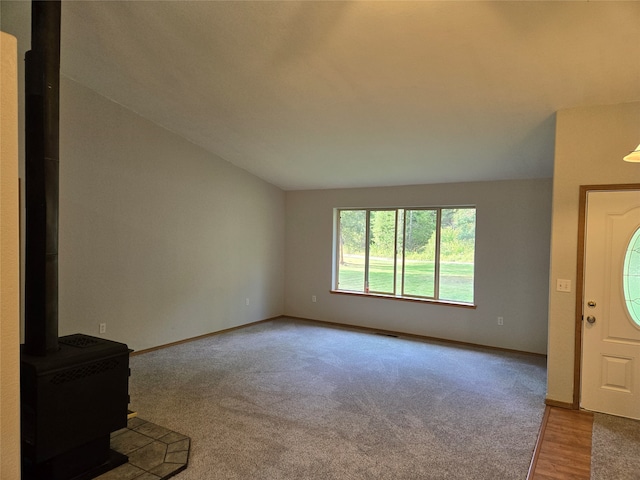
{"x": 155, "y": 452}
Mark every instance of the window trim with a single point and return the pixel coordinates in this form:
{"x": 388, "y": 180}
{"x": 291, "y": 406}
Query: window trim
{"x": 449, "y": 303}
{"x": 395, "y": 295}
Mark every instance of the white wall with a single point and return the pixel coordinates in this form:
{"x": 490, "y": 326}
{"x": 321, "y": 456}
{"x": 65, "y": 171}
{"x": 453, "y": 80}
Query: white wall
{"x": 159, "y": 239}
{"x": 512, "y": 263}
{"x": 590, "y": 144}
{"x": 9, "y": 262}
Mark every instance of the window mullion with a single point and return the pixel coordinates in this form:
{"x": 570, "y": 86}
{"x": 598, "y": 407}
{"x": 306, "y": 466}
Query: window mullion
{"x": 395, "y": 251}
{"x": 404, "y": 244}
{"x": 366, "y": 250}
{"x": 338, "y": 257}
{"x": 436, "y": 267}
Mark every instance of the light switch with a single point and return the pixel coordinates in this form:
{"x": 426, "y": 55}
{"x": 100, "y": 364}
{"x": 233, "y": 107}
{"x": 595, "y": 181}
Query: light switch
{"x": 563, "y": 285}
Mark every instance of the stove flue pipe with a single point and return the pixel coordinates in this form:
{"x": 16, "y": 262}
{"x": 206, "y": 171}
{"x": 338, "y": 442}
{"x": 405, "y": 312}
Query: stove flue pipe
{"x": 42, "y": 84}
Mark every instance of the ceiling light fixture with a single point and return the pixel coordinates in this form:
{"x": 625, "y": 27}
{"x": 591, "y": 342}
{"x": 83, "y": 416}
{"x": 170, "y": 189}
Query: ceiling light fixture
{"x": 633, "y": 156}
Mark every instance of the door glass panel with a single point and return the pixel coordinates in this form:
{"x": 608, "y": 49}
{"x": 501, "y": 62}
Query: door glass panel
{"x": 631, "y": 277}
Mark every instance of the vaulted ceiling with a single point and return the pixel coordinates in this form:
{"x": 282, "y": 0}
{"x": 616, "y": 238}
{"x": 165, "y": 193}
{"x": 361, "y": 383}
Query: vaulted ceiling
{"x": 347, "y": 94}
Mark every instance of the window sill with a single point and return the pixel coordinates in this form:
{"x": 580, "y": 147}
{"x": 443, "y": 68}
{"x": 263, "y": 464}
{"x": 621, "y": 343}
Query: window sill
{"x": 449, "y": 303}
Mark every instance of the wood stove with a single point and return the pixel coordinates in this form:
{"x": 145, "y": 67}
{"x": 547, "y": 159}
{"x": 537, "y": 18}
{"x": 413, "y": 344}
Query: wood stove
{"x": 74, "y": 389}
{"x": 71, "y": 400}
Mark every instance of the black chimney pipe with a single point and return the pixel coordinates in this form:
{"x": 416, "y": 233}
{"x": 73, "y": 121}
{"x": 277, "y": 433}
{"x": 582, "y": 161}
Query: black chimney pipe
{"x": 42, "y": 125}
{"x": 73, "y": 389}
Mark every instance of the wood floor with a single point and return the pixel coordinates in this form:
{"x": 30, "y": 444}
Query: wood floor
{"x": 563, "y": 450}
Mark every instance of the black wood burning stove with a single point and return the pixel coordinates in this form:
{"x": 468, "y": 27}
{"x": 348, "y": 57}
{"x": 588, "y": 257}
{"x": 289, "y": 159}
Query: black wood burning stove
{"x": 71, "y": 401}
{"x": 74, "y": 389}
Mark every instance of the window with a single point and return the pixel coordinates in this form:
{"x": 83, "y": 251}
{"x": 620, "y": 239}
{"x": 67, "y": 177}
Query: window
{"x": 417, "y": 253}
{"x": 631, "y": 277}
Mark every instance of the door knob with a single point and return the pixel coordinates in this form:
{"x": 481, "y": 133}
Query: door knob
{"x": 591, "y": 319}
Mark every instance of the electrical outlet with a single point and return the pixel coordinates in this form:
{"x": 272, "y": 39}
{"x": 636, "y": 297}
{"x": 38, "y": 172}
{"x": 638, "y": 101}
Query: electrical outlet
{"x": 313, "y": 298}
{"x": 247, "y": 301}
{"x": 103, "y": 328}
{"x": 500, "y": 320}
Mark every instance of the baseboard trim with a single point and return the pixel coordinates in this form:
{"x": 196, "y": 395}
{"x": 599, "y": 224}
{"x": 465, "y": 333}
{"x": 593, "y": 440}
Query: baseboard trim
{"x": 206, "y": 335}
{"x": 360, "y": 328}
{"x": 556, "y": 403}
{"x": 416, "y": 336}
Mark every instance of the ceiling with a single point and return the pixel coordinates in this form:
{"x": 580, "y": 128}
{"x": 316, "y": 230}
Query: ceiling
{"x": 351, "y": 94}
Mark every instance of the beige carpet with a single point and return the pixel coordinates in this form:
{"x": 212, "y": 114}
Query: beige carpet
{"x": 615, "y": 448}
{"x": 290, "y": 399}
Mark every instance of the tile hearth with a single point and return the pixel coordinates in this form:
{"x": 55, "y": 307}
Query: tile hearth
{"x": 155, "y": 452}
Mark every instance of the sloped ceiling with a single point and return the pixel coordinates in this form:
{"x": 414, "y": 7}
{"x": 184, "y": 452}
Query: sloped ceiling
{"x": 350, "y": 94}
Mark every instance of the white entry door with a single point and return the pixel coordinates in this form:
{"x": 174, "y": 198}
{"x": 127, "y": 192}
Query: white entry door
{"x": 611, "y": 304}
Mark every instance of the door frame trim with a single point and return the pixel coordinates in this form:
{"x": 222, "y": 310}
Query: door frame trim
{"x": 582, "y": 212}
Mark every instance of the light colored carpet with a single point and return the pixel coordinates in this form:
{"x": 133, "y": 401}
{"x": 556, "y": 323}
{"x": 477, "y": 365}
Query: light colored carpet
{"x": 615, "y": 448}
{"x": 289, "y": 399}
